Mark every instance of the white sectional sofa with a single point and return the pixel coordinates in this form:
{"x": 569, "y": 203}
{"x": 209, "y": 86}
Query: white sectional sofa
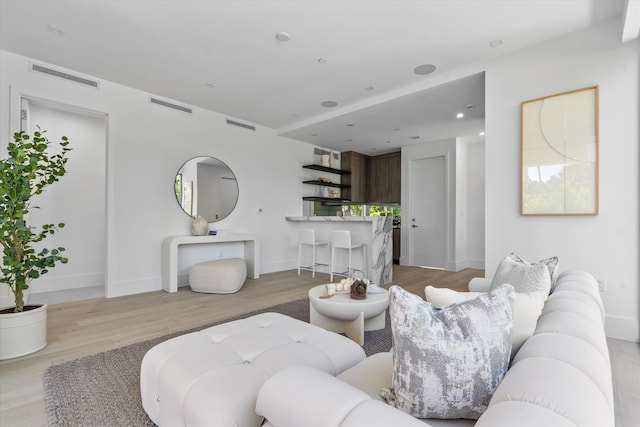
{"x": 561, "y": 376}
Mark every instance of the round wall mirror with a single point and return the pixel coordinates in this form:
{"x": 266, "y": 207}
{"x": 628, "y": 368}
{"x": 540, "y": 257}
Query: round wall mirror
{"x": 207, "y": 187}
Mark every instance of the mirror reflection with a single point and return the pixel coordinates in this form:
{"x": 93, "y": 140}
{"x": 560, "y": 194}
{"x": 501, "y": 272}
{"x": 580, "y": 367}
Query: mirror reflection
{"x": 207, "y": 187}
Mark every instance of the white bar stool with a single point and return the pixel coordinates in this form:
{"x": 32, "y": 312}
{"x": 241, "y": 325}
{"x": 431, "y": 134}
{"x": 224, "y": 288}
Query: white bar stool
{"x": 308, "y": 237}
{"x": 341, "y": 239}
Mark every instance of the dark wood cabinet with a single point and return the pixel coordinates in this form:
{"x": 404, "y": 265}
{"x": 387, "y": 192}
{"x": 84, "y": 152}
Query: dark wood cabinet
{"x": 373, "y": 179}
{"x": 396, "y": 245}
{"x": 384, "y": 178}
{"x": 358, "y": 179}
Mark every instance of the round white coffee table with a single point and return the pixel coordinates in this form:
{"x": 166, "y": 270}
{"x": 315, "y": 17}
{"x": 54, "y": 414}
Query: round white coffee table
{"x": 340, "y": 313}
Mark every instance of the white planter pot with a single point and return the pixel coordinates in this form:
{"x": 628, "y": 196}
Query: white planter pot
{"x": 23, "y": 333}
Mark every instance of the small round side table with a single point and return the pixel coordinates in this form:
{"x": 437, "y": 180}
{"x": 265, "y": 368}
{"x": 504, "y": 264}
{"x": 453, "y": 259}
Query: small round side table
{"x": 342, "y": 314}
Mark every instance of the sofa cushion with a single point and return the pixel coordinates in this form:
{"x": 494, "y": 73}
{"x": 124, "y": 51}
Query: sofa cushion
{"x": 448, "y": 362}
{"x": 287, "y": 400}
{"x": 526, "y": 310}
{"x": 562, "y": 374}
{"x": 524, "y": 276}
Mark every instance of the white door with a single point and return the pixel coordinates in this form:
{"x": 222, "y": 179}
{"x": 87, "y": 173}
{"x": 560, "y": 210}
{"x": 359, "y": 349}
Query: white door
{"x": 427, "y": 232}
{"x": 78, "y": 199}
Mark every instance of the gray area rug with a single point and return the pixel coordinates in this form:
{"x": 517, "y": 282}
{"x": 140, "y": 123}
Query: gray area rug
{"x": 104, "y": 389}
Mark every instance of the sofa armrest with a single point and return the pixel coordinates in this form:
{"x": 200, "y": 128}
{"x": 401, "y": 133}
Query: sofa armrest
{"x": 479, "y": 284}
{"x": 303, "y": 396}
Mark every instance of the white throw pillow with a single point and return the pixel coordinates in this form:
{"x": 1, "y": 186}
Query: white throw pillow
{"x": 526, "y": 310}
{"x": 448, "y": 362}
{"x": 524, "y": 276}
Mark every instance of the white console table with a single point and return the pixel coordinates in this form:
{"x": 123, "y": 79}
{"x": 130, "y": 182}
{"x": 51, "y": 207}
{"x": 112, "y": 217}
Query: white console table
{"x": 170, "y": 255}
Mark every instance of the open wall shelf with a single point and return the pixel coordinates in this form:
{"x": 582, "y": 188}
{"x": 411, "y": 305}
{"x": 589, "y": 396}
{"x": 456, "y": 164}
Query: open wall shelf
{"x": 326, "y": 200}
{"x": 334, "y": 200}
{"x": 326, "y": 184}
{"x": 326, "y": 169}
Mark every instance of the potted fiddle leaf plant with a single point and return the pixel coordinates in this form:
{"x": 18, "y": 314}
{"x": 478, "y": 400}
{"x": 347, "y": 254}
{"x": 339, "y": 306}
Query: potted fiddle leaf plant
{"x": 31, "y": 165}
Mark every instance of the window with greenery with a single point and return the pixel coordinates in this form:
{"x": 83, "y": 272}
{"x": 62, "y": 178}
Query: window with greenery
{"x": 321, "y": 209}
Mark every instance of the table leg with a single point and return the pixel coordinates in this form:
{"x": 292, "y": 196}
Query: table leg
{"x": 353, "y": 329}
{"x": 375, "y": 323}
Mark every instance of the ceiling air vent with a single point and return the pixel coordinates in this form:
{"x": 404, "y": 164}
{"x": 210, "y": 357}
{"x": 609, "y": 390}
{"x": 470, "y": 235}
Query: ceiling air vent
{"x": 170, "y": 105}
{"x": 60, "y": 74}
{"x": 241, "y": 125}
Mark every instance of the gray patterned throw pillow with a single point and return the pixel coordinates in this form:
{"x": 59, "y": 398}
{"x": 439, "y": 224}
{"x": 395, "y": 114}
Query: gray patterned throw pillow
{"x": 525, "y": 276}
{"x": 448, "y": 362}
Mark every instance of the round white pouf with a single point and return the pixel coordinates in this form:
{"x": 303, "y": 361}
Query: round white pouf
{"x": 223, "y": 276}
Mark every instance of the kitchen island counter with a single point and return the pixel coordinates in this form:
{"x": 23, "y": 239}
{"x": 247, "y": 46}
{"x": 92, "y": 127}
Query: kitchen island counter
{"x": 374, "y": 231}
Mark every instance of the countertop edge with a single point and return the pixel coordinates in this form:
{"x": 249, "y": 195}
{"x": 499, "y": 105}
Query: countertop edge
{"x": 335, "y": 218}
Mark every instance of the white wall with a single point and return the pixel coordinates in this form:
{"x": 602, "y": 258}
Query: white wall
{"x": 607, "y": 244}
{"x": 461, "y": 207}
{"x": 475, "y": 205}
{"x": 147, "y": 144}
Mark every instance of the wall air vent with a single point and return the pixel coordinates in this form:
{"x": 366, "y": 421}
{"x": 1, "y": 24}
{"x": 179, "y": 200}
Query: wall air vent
{"x": 60, "y": 74}
{"x": 242, "y": 125}
{"x": 170, "y": 105}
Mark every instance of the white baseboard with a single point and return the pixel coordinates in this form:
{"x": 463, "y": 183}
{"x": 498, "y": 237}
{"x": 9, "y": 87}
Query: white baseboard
{"x": 466, "y": 263}
{"x": 131, "y": 287}
{"x": 475, "y": 263}
{"x": 60, "y": 283}
{"x": 622, "y": 328}
{"x": 275, "y": 267}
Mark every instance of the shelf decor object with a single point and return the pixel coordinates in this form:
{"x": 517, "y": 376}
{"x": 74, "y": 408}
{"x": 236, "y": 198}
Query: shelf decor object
{"x": 559, "y": 154}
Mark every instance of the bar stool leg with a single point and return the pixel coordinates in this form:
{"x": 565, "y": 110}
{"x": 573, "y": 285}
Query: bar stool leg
{"x": 331, "y": 263}
{"x": 313, "y": 266}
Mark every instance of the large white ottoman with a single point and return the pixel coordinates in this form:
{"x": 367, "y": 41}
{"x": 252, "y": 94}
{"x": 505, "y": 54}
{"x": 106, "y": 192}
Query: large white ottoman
{"x": 212, "y": 377}
{"x": 222, "y": 276}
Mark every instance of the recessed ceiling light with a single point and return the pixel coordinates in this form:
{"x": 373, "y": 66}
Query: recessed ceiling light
{"x": 369, "y": 88}
{"x": 322, "y": 60}
{"x": 209, "y": 85}
{"x": 415, "y": 137}
{"x": 459, "y": 115}
{"x": 351, "y": 124}
{"x": 481, "y": 133}
{"x": 470, "y": 106}
{"x": 396, "y": 129}
{"x": 329, "y": 104}
{"x": 349, "y": 140}
{"x": 282, "y": 36}
{"x": 388, "y": 142}
{"x": 424, "y": 69}
{"x": 495, "y": 43}
{"x": 314, "y": 134}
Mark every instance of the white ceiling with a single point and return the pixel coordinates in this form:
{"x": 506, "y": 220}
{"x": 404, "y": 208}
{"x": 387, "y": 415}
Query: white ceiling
{"x": 223, "y": 56}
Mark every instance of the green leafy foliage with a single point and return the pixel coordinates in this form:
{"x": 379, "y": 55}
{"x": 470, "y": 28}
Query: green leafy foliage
{"x": 28, "y": 169}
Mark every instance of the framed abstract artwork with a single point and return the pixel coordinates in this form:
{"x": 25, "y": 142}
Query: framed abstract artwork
{"x": 559, "y": 154}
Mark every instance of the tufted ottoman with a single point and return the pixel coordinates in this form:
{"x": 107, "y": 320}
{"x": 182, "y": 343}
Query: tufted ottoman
{"x": 212, "y": 377}
{"x": 222, "y": 276}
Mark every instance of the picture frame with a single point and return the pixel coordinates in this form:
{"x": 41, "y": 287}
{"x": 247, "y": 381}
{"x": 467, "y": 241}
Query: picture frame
{"x": 559, "y": 154}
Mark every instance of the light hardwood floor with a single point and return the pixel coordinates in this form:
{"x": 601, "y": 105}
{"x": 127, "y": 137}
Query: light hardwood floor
{"x": 81, "y": 328}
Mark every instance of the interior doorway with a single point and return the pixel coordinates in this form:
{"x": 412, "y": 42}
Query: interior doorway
{"x": 427, "y": 219}
{"x": 78, "y": 199}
